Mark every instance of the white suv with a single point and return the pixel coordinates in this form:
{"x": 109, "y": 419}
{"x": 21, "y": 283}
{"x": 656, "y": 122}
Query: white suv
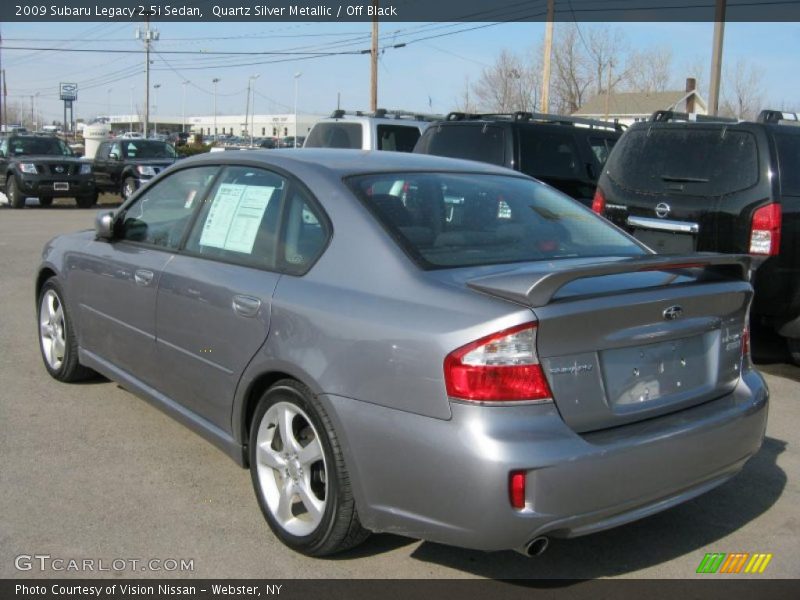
{"x": 382, "y": 130}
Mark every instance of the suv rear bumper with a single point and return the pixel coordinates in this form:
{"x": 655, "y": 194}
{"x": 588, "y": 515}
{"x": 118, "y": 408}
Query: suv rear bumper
{"x": 447, "y": 481}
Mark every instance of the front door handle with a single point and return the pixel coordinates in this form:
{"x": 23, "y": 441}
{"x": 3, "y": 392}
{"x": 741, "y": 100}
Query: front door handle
{"x": 143, "y": 277}
{"x": 246, "y": 306}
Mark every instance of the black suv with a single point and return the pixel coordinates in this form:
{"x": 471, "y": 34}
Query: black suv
{"x": 45, "y": 167}
{"x": 566, "y": 152}
{"x": 123, "y": 165}
{"x": 716, "y": 185}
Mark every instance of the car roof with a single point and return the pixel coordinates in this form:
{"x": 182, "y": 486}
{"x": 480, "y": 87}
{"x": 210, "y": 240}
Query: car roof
{"x": 352, "y": 162}
{"x": 382, "y": 120}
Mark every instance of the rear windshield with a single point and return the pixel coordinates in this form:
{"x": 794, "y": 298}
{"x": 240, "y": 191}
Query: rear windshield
{"x": 398, "y": 138}
{"x": 484, "y": 143}
{"x": 336, "y": 135}
{"x": 21, "y": 146}
{"x": 687, "y": 160}
{"x": 789, "y": 163}
{"x": 456, "y": 220}
{"x": 147, "y": 149}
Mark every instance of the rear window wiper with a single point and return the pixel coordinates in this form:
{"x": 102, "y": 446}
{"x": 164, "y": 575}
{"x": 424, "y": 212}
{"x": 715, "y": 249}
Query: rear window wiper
{"x": 684, "y": 179}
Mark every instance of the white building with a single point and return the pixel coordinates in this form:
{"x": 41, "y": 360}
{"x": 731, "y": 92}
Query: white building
{"x": 272, "y": 125}
{"x": 630, "y": 107}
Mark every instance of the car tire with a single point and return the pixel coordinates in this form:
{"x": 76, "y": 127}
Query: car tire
{"x": 58, "y": 342}
{"x": 793, "y": 345}
{"x": 87, "y": 200}
{"x": 46, "y": 201}
{"x": 128, "y": 188}
{"x": 16, "y": 199}
{"x": 306, "y": 468}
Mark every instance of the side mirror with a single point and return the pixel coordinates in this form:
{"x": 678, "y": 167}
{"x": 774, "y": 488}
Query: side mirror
{"x": 104, "y": 225}
{"x": 113, "y": 156}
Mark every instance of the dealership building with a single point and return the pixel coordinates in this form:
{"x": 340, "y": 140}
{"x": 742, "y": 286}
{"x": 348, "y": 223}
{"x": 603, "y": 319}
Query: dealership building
{"x": 259, "y": 125}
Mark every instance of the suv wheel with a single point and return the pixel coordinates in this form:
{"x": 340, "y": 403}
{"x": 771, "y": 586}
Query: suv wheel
{"x": 87, "y": 201}
{"x": 128, "y": 187}
{"x": 794, "y": 349}
{"x": 46, "y": 201}
{"x": 299, "y": 474}
{"x": 57, "y": 340}
{"x": 15, "y": 197}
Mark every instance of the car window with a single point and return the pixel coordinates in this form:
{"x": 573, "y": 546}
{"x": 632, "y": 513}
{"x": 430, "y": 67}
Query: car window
{"x": 116, "y": 150}
{"x": 239, "y": 219}
{"x": 337, "y": 134}
{"x": 305, "y": 234}
{"x": 397, "y": 138}
{"x": 484, "y": 143}
{"x": 455, "y": 220}
{"x": 21, "y": 146}
{"x": 159, "y": 216}
{"x": 685, "y": 161}
{"x": 601, "y": 148}
{"x": 547, "y": 154}
{"x": 148, "y": 149}
{"x": 789, "y": 163}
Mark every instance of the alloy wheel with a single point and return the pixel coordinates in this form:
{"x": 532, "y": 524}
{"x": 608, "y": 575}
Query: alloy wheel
{"x": 52, "y": 329}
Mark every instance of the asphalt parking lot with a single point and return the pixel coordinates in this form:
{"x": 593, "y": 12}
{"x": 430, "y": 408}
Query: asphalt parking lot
{"x": 91, "y": 471}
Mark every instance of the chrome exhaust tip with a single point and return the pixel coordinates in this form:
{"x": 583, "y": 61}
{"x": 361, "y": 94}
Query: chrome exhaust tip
{"x": 535, "y": 547}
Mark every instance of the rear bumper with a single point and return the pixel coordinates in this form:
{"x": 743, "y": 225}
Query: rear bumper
{"x": 447, "y": 481}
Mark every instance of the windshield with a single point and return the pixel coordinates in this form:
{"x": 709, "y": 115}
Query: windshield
{"x": 148, "y": 149}
{"x": 456, "y": 220}
{"x": 20, "y": 146}
{"x": 335, "y": 135}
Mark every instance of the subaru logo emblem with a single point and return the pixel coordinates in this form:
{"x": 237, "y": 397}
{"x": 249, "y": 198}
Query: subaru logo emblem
{"x": 672, "y": 313}
{"x": 662, "y": 210}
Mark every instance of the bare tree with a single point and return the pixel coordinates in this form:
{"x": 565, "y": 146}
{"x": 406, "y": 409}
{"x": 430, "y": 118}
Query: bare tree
{"x": 509, "y": 85}
{"x": 572, "y": 75}
{"x": 466, "y": 101}
{"x": 742, "y": 90}
{"x": 605, "y": 50}
{"x": 650, "y": 70}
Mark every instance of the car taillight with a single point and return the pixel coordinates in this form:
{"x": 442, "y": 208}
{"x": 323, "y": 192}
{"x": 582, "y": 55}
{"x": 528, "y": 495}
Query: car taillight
{"x": 516, "y": 489}
{"x": 765, "y": 230}
{"x": 500, "y": 367}
{"x": 746, "y": 344}
{"x": 599, "y": 201}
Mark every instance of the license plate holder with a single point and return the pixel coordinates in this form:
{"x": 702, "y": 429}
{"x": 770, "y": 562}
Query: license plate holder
{"x": 61, "y": 186}
{"x": 667, "y": 242}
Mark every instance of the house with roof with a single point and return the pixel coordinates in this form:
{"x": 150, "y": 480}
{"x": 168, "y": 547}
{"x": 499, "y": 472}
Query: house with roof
{"x": 629, "y": 107}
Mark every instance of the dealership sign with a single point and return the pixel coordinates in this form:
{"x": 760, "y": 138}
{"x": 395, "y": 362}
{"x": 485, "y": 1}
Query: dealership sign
{"x": 68, "y": 91}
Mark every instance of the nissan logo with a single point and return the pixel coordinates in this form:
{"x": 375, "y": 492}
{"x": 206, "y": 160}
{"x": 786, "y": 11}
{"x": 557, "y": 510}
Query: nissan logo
{"x": 59, "y": 169}
{"x": 672, "y": 313}
{"x": 662, "y": 210}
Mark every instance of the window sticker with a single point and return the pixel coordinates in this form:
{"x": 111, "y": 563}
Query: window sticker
{"x": 234, "y": 217}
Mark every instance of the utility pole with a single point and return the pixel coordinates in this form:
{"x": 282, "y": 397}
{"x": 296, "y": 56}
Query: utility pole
{"x": 548, "y": 54}
{"x": 373, "y": 95}
{"x": 2, "y": 100}
{"x": 5, "y": 98}
{"x": 32, "y": 119}
{"x": 183, "y": 110}
{"x": 148, "y": 35}
{"x": 247, "y": 106}
{"x": 716, "y": 57}
{"x": 155, "y": 109}
{"x": 215, "y": 81}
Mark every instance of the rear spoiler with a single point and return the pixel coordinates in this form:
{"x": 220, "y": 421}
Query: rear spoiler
{"x": 537, "y": 288}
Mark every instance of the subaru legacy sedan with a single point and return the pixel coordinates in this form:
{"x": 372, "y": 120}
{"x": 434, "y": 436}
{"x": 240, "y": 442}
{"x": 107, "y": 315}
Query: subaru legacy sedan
{"x": 392, "y": 342}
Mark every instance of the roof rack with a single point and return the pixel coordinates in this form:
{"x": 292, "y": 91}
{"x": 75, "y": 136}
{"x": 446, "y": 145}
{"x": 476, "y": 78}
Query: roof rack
{"x": 778, "y": 117}
{"x": 383, "y": 113}
{"x": 521, "y": 116}
{"x": 663, "y": 116}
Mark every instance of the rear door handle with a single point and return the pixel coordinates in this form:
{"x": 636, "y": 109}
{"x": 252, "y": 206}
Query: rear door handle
{"x": 246, "y": 306}
{"x": 143, "y": 277}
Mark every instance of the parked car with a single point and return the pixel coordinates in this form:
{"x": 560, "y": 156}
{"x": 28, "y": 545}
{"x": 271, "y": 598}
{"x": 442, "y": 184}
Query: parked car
{"x": 178, "y": 138}
{"x": 121, "y": 166}
{"x": 566, "y": 152}
{"x": 716, "y": 185}
{"x": 288, "y": 142}
{"x": 473, "y": 358}
{"x": 45, "y": 167}
{"x": 268, "y": 143}
{"x": 132, "y": 135}
{"x": 382, "y": 130}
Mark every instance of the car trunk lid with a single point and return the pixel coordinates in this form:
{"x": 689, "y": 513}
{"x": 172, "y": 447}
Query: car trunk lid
{"x": 621, "y": 340}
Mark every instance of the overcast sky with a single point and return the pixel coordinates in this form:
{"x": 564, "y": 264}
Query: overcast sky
{"x": 426, "y": 75}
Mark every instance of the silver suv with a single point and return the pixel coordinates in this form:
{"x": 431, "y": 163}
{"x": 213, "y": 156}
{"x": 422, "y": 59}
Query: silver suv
{"x": 382, "y": 130}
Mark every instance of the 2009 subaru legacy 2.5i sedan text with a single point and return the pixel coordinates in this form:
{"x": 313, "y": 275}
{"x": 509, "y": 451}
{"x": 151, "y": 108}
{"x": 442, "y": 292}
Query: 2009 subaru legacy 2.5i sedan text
{"x": 439, "y": 348}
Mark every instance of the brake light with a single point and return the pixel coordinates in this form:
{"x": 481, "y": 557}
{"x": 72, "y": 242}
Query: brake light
{"x": 599, "y": 201}
{"x": 516, "y": 489}
{"x": 746, "y": 343}
{"x": 765, "y": 230}
{"x": 499, "y": 367}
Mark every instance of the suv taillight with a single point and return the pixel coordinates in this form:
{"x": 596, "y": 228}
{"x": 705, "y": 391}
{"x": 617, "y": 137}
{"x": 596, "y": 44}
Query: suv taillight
{"x": 765, "y": 230}
{"x": 500, "y": 367}
{"x": 599, "y": 201}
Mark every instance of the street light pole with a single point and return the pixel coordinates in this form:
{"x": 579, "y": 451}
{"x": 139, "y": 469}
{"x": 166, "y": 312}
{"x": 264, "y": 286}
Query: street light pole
{"x": 183, "y": 117}
{"x": 215, "y": 81}
{"x": 155, "y": 109}
{"x": 249, "y": 129}
{"x": 108, "y": 104}
{"x": 296, "y": 77}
